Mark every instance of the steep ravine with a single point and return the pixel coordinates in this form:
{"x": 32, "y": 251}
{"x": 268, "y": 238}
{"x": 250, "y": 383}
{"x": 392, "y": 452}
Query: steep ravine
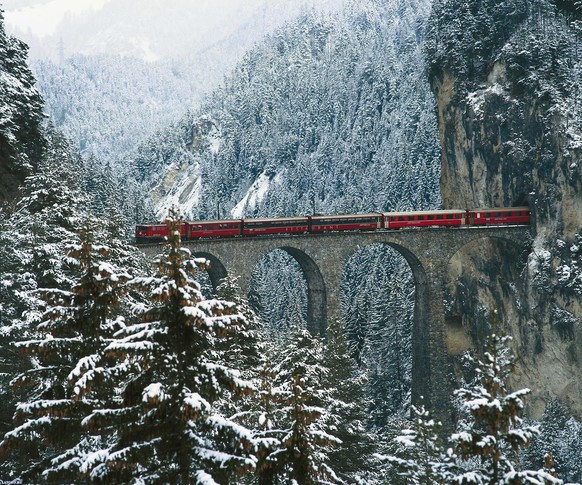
{"x": 509, "y": 121}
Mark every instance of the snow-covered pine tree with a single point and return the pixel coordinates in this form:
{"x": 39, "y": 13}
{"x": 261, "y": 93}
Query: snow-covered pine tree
{"x": 346, "y": 407}
{"x": 243, "y": 349}
{"x": 302, "y": 455}
{"x": 488, "y": 444}
{"x": 168, "y": 427}
{"x": 33, "y": 241}
{"x": 420, "y": 458}
{"x": 561, "y": 438}
{"x": 21, "y": 113}
{"x": 66, "y": 381}
{"x": 267, "y": 416}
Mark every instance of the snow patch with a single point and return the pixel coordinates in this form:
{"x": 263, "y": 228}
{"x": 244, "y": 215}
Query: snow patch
{"x": 142, "y": 45}
{"x": 184, "y": 192}
{"x": 477, "y": 98}
{"x": 254, "y": 195}
{"x": 154, "y": 393}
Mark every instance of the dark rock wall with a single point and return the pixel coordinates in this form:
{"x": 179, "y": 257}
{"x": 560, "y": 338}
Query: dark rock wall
{"x": 507, "y": 81}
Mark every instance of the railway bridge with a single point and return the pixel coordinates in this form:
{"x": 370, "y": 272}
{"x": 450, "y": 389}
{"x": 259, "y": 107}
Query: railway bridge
{"x": 322, "y": 257}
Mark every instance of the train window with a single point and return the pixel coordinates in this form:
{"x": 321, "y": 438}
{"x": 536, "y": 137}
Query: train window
{"x": 449, "y": 216}
{"x": 439, "y": 216}
{"x": 421, "y": 218}
{"x": 518, "y": 213}
{"x": 498, "y": 214}
{"x": 430, "y": 217}
{"x": 487, "y": 215}
{"x": 400, "y": 218}
{"x": 508, "y": 214}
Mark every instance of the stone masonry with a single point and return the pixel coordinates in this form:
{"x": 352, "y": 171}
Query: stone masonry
{"x": 322, "y": 258}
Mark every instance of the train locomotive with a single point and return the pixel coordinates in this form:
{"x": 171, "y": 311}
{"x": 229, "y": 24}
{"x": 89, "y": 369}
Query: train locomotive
{"x": 318, "y": 224}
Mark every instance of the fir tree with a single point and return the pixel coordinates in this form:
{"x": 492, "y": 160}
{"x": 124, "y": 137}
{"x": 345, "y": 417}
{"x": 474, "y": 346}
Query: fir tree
{"x": 302, "y": 454}
{"x": 421, "y": 458}
{"x": 489, "y": 443}
{"x": 168, "y": 427}
{"x": 346, "y": 407}
{"x": 66, "y": 382}
{"x": 485, "y": 448}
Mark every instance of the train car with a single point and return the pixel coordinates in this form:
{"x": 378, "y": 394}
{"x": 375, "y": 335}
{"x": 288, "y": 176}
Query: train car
{"x": 346, "y": 222}
{"x": 151, "y": 232}
{"x": 333, "y": 223}
{"x": 283, "y": 225}
{"x": 397, "y": 220}
{"x": 204, "y": 229}
{"x": 511, "y": 215}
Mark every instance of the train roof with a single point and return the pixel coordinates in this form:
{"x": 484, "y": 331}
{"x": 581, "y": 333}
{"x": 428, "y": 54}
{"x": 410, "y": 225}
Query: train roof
{"x": 344, "y": 216}
{"x": 209, "y": 221}
{"x": 500, "y": 209}
{"x": 267, "y": 219}
{"x": 214, "y": 221}
{"x": 405, "y": 213}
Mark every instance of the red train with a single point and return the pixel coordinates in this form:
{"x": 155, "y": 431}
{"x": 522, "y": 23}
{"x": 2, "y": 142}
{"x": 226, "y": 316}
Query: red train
{"x": 345, "y": 222}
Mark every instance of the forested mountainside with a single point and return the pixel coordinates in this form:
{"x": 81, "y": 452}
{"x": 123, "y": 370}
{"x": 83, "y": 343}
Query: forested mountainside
{"x": 108, "y": 115}
{"x": 508, "y": 83}
{"x": 165, "y": 71}
{"x": 332, "y": 114}
{"x": 20, "y": 115}
{"x": 329, "y": 115}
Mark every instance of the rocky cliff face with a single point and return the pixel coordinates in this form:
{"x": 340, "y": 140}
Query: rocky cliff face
{"x": 507, "y": 80}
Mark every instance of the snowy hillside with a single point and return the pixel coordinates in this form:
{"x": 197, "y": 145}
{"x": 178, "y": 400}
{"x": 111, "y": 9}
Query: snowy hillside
{"x": 331, "y": 114}
{"x": 109, "y": 84}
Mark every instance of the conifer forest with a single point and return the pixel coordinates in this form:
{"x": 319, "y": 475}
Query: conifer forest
{"x": 116, "y": 367}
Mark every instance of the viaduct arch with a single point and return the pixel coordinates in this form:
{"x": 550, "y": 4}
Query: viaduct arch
{"x": 322, "y": 258}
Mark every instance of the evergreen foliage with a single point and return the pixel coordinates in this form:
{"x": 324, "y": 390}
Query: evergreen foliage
{"x": 485, "y": 446}
{"x": 420, "y": 455}
{"x": 169, "y": 429}
{"x": 21, "y": 113}
{"x": 67, "y": 379}
{"x": 561, "y": 439}
{"x": 35, "y": 232}
{"x": 346, "y": 404}
{"x": 303, "y": 440}
{"x": 377, "y": 303}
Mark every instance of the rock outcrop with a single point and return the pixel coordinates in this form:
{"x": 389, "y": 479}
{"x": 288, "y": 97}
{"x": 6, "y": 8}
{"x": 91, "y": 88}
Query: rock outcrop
{"x": 507, "y": 80}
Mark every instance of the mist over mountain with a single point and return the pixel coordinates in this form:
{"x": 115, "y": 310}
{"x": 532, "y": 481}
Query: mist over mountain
{"x": 156, "y": 29}
{"x": 110, "y": 83}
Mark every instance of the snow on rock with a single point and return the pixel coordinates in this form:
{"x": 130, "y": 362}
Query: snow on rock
{"x": 254, "y": 195}
{"x": 180, "y": 187}
{"x": 477, "y": 98}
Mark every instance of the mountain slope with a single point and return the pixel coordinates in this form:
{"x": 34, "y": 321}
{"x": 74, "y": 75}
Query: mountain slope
{"x": 330, "y": 114}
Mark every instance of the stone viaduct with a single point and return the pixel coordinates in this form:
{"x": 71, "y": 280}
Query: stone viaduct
{"x": 322, "y": 258}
